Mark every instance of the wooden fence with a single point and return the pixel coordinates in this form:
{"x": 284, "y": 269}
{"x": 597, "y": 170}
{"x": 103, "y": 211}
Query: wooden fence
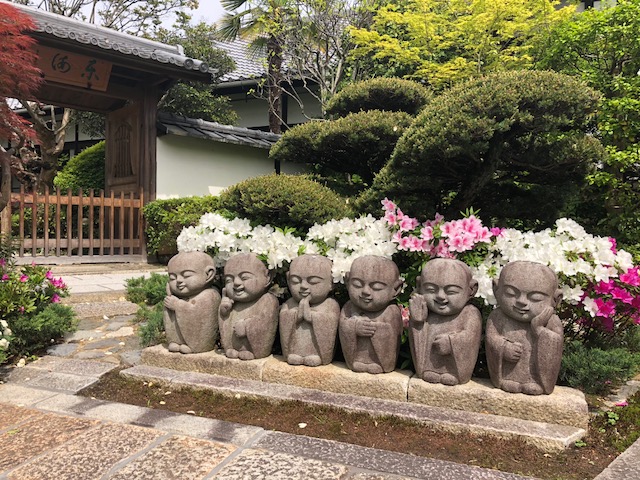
{"x": 65, "y": 228}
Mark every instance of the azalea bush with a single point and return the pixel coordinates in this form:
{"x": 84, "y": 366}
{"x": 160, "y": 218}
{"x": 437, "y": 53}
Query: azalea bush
{"x": 29, "y": 298}
{"x": 5, "y": 339}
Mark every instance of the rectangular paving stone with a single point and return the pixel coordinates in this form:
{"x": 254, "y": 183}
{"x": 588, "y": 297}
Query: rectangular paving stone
{"x": 22, "y": 394}
{"x": 73, "y": 366}
{"x": 376, "y": 460}
{"x": 208, "y": 428}
{"x": 40, "y": 433}
{"x": 178, "y": 457}
{"x": 625, "y": 467}
{"x": 89, "y": 456}
{"x": 12, "y": 415}
{"x": 265, "y": 465}
{"x": 25, "y": 374}
{"x": 63, "y": 382}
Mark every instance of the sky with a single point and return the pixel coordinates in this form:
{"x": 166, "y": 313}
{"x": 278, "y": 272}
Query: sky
{"x": 209, "y": 10}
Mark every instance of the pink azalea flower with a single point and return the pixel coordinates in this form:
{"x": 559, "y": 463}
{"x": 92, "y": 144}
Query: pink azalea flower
{"x": 606, "y": 308}
{"x": 436, "y": 220}
{"x": 636, "y": 302}
{"x": 21, "y": 309}
{"x": 397, "y": 237}
{"x": 3, "y": 262}
{"x": 604, "y": 288}
{"x": 24, "y": 278}
{"x": 48, "y": 275}
{"x": 631, "y": 277}
{"x": 496, "y": 231}
{"x": 483, "y": 235}
{"x": 388, "y": 204}
{"x": 442, "y": 251}
{"x": 427, "y": 233}
{"x": 407, "y": 223}
{"x": 391, "y": 218}
{"x": 621, "y": 404}
{"x": 621, "y": 294}
{"x": 55, "y": 298}
{"x": 614, "y": 245}
{"x": 58, "y": 283}
{"x": 405, "y": 316}
{"x": 5, "y": 277}
{"x": 607, "y": 323}
{"x": 449, "y": 229}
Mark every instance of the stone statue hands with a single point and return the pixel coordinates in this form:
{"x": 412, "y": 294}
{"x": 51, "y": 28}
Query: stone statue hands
{"x": 442, "y": 344}
{"x": 304, "y": 310}
{"x": 365, "y": 327}
{"x": 539, "y": 322}
{"x": 226, "y": 304}
{"x": 512, "y": 351}
{"x": 418, "y": 309}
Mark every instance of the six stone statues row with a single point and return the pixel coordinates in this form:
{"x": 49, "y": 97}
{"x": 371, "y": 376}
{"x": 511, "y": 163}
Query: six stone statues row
{"x": 524, "y": 337}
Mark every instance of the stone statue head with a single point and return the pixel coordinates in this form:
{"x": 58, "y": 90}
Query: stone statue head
{"x": 309, "y": 276}
{"x": 246, "y": 278}
{"x": 190, "y": 273}
{"x": 524, "y": 289}
{"x": 373, "y": 282}
{"x": 447, "y": 285}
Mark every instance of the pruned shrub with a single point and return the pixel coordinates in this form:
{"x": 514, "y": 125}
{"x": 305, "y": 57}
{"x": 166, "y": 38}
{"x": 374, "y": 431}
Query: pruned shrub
{"x": 389, "y": 94}
{"x": 147, "y": 291}
{"x": 84, "y": 171}
{"x": 293, "y": 201}
{"x": 32, "y": 333}
{"x": 355, "y": 147}
{"x": 165, "y": 220}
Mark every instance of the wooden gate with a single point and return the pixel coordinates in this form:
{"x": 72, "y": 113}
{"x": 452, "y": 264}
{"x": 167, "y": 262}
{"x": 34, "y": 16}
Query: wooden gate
{"x": 56, "y": 228}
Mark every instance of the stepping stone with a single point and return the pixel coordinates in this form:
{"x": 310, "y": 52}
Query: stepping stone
{"x": 62, "y": 350}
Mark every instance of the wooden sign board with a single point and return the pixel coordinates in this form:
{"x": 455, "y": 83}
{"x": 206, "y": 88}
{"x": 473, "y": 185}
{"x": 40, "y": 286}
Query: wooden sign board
{"x": 73, "y": 69}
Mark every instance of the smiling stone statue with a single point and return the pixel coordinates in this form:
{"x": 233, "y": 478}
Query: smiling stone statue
{"x": 248, "y": 311}
{"x": 524, "y": 336}
{"x": 444, "y": 331}
{"x": 191, "y": 305}
{"x": 370, "y": 326}
{"x": 309, "y": 320}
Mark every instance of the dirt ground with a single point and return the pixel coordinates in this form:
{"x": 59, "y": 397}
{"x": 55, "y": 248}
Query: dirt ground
{"x": 393, "y": 434}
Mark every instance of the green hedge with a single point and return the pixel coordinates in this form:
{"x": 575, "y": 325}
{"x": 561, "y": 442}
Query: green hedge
{"x": 389, "y": 94}
{"x": 84, "y": 171}
{"x": 293, "y": 201}
{"x": 165, "y": 219}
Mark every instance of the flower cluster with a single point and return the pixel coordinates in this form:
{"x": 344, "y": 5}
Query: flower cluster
{"x": 436, "y": 238}
{"x": 222, "y": 238}
{"x": 5, "y": 338}
{"x": 345, "y": 240}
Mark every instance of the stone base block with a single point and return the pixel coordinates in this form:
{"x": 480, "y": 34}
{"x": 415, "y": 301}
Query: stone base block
{"x": 337, "y": 378}
{"x": 565, "y": 406}
{"x": 208, "y": 362}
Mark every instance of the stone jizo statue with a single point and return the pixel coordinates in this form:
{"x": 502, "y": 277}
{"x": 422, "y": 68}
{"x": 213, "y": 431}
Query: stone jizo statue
{"x": 191, "y": 305}
{"x": 444, "y": 331}
{"x": 524, "y": 336}
{"x": 370, "y": 324}
{"x": 248, "y": 311}
{"x": 309, "y": 320}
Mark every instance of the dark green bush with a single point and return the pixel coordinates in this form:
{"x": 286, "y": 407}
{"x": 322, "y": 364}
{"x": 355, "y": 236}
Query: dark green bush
{"x": 33, "y": 333}
{"x": 84, "y": 171}
{"x": 284, "y": 201}
{"x": 147, "y": 291}
{"x": 357, "y": 145}
{"x": 151, "y": 329}
{"x": 514, "y": 145}
{"x": 596, "y": 371}
{"x": 390, "y": 94}
{"x": 165, "y": 219}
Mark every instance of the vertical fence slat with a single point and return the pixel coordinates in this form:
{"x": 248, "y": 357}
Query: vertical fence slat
{"x": 46, "y": 220}
{"x": 140, "y": 232}
{"x": 21, "y": 220}
{"x": 69, "y": 222}
{"x": 80, "y": 221}
{"x": 58, "y": 223}
{"x": 121, "y": 223}
{"x": 91, "y": 206}
{"x": 101, "y": 221}
{"x": 112, "y": 223}
{"x": 132, "y": 197}
{"x": 34, "y": 223}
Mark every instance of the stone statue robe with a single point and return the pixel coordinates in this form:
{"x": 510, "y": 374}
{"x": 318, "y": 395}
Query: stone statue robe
{"x": 540, "y": 360}
{"x": 465, "y": 332}
{"x": 382, "y": 348}
{"x": 304, "y": 338}
{"x": 195, "y": 321}
{"x": 261, "y": 320}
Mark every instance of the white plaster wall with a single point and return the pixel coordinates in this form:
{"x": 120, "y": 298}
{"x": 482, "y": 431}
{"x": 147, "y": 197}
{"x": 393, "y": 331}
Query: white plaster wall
{"x": 193, "y": 166}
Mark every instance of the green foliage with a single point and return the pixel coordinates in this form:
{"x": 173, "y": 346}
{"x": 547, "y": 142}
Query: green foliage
{"x": 84, "y": 171}
{"x": 602, "y": 46}
{"x": 349, "y": 151}
{"x": 442, "y": 42}
{"x": 389, "y": 94}
{"x": 165, "y": 219}
{"x": 147, "y": 291}
{"x": 596, "y": 371}
{"x": 620, "y": 426}
{"x": 293, "y": 201}
{"x": 512, "y": 145}
{"x": 195, "y": 99}
{"x": 151, "y": 329}
{"x": 36, "y": 331}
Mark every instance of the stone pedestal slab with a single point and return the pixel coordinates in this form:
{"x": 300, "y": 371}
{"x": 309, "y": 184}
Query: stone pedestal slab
{"x": 565, "y": 406}
{"x": 337, "y": 378}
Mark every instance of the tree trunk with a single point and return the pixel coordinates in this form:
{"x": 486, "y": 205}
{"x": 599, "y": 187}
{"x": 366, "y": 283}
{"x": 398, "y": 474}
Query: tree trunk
{"x": 274, "y": 73}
